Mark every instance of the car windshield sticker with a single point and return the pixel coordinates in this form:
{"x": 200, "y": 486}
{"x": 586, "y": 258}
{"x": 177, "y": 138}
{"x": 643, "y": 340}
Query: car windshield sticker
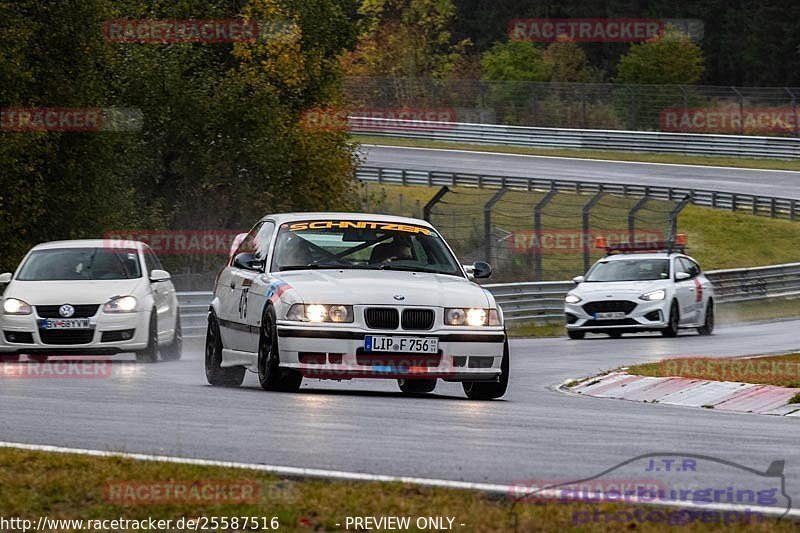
{"x": 356, "y": 224}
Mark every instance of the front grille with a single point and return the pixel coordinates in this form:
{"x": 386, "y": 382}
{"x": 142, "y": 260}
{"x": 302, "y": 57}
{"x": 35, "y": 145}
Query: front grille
{"x": 609, "y": 306}
{"x": 81, "y": 311}
{"x": 66, "y": 336}
{"x": 382, "y": 318}
{"x": 20, "y": 337}
{"x": 620, "y": 322}
{"x": 418, "y": 319}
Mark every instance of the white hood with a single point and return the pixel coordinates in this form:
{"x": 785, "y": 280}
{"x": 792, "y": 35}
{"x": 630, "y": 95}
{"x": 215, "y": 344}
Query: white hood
{"x": 71, "y": 292}
{"x": 618, "y": 289}
{"x": 380, "y": 287}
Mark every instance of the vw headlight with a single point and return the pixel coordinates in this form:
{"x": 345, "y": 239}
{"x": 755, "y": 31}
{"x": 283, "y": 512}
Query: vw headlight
{"x": 572, "y": 298}
{"x": 120, "y": 304}
{"x": 472, "y": 317}
{"x": 320, "y": 313}
{"x": 651, "y": 296}
{"x": 12, "y": 306}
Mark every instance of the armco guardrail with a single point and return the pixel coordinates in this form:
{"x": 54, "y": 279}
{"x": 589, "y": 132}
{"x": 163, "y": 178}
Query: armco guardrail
{"x": 584, "y": 139}
{"x": 757, "y": 205}
{"x": 545, "y": 300}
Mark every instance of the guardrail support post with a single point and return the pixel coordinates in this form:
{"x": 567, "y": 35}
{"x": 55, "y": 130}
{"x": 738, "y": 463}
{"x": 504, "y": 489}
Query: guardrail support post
{"x": 587, "y": 209}
{"x": 673, "y": 215}
{"x": 487, "y": 221}
{"x": 537, "y": 231}
{"x": 426, "y": 211}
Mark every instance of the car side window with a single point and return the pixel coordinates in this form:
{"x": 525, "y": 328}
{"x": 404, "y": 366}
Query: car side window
{"x": 680, "y": 266}
{"x": 262, "y": 239}
{"x": 692, "y": 267}
{"x": 151, "y": 260}
{"x": 688, "y": 266}
{"x": 247, "y": 246}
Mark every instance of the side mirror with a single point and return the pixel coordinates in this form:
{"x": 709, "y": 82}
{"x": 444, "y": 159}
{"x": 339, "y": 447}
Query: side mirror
{"x": 5, "y": 277}
{"x": 681, "y": 276}
{"x": 481, "y": 269}
{"x": 578, "y": 279}
{"x": 157, "y": 275}
{"x": 247, "y": 261}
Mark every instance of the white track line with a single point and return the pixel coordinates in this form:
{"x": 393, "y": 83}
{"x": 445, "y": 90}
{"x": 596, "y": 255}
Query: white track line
{"x": 291, "y": 471}
{"x": 579, "y": 158}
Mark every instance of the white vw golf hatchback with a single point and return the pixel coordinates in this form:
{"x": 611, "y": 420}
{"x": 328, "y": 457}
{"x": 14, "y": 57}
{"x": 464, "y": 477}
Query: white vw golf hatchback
{"x": 89, "y": 297}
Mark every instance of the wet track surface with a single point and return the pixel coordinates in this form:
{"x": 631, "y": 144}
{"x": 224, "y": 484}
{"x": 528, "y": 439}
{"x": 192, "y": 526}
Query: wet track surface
{"x": 534, "y": 432}
{"x": 748, "y": 181}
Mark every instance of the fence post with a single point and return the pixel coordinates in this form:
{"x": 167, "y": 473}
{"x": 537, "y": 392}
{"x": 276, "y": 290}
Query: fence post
{"x": 632, "y": 215}
{"x": 673, "y": 215}
{"x": 585, "y": 229}
{"x": 537, "y": 231}
{"x": 741, "y": 110}
{"x": 487, "y": 221}
{"x": 426, "y": 211}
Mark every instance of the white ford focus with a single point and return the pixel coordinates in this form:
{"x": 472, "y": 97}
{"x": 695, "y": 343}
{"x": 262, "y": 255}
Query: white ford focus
{"x": 89, "y": 297}
{"x": 342, "y": 296}
{"x": 651, "y": 287}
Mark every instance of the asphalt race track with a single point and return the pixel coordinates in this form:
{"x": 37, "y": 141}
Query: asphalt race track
{"x": 747, "y": 181}
{"x": 534, "y": 432}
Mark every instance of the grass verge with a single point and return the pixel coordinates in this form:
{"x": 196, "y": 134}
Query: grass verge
{"x": 643, "y": 157}
{"x": 780, "y": 370}
{"x": 67, "y": 486}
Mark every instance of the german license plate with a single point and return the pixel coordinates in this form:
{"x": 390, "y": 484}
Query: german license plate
{"x": 375, "y": 343}
{"x": 64, "y": 323}
{"x": 609, "y": 316}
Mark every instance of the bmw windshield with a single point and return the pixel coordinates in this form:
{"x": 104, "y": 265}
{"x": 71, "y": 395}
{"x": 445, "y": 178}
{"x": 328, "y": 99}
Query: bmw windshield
{"x": 629, "y": 270}
{"x": 350, "y": 244}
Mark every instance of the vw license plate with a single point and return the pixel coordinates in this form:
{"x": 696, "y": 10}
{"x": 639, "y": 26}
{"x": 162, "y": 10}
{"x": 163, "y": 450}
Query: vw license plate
{"x": 64, "y": 323}
{"x": 609, "y": 316}
{"x": 374, "y": 343}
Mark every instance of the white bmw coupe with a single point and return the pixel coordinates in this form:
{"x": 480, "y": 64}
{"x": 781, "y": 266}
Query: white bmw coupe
{"x": 343, "y": 296}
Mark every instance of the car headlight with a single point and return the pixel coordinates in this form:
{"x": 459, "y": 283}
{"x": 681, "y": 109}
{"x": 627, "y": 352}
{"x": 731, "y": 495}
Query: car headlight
{"x": 472, "y": 317}
{"x": 660, "y": 294}
{"x": 320, "y": 313}
{"x": 120, "y": 304}
{"x": 12, "y": 306}
{"x": 572, "y": 298}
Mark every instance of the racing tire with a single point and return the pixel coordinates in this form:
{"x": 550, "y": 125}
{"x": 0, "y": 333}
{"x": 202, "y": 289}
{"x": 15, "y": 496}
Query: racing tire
{"x": 416, "y": 386}
{"x": 217, "y": 375}
{"x": 38, "y": 358}
{"x": 674, "y": 320}
{"x": 174, "y": 350}
{"x": 708, "y": 325}
{"x": 575, "y": 335}
{"x": 9, "y": 358}
{"x": 150, "y": 353}
{"x": 481, "y": 390}
{"x": 270, "y": 375}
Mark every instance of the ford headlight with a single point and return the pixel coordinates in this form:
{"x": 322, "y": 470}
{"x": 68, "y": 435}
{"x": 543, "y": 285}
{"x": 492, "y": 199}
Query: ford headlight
{"x": 12, "y": 306}
{"x": 320, "y": 313}
{"x": 651, "y": 296}
{"x": 572, "y": 298}
{"x": 120, "y": 304}
{"x": 474, "y": 317}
